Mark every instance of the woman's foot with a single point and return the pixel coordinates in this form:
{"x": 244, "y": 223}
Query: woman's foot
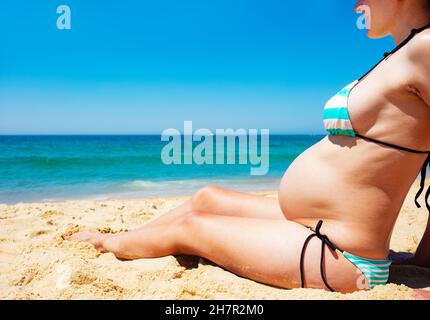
{"x": 154, "y": 240}
{"x": 127, "y": 245}
{"x": 96, "y": 239}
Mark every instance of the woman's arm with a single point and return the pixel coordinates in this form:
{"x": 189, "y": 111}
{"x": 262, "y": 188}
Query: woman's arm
{"x": 419, "y": 58}
{"x": 419, "y": 64}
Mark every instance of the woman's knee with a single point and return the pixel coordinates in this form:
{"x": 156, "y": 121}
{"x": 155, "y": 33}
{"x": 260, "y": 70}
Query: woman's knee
{"x": 204, "y": 197}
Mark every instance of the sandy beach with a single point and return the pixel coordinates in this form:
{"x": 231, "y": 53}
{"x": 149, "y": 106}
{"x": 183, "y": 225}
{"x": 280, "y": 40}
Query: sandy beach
{"x": 36, "y": 263}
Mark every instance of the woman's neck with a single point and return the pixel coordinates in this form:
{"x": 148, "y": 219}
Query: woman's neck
{"x": 413, "y": 17}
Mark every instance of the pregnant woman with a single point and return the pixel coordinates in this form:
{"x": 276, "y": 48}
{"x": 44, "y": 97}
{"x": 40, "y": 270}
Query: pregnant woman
{"x": 339, "y": 200}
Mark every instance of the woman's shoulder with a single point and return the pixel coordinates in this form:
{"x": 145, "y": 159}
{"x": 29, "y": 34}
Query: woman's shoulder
{"x": 419, "y": 47}
{"x": 418, "y": 56}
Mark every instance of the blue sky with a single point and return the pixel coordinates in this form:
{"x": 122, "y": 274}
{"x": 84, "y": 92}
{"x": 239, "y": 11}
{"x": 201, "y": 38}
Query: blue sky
{"x": 140, "y": 66}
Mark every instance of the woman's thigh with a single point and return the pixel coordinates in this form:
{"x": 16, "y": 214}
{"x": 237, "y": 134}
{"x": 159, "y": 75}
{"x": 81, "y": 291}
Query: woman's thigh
{"x": 216, "y": 200}
{"x": 267, "y": 251}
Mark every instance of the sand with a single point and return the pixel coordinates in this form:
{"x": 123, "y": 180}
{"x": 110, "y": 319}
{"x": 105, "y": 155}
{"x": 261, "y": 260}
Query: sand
{"x": 36, "y": 263}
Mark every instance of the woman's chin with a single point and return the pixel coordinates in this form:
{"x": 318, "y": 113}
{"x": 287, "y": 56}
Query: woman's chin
{"x": 372, "y": 34}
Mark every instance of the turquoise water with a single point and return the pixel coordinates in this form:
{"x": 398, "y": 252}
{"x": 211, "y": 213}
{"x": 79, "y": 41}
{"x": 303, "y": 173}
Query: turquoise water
{"x": 49, "y": 168}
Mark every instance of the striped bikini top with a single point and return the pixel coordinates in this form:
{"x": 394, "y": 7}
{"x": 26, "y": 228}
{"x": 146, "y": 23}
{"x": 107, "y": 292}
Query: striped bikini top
{"x": 336, "y": 115}
{"x": 338, "y": 122}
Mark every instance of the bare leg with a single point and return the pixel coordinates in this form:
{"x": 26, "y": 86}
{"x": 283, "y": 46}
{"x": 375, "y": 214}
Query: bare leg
{"x": 227, "y": 202}
{"x": 212, "y": 200}
{"x": 263, "y": 250}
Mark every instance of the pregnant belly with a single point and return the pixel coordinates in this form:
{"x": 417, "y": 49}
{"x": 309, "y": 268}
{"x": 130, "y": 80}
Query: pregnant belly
{"x": 311, "y": 189}
{"x": 358, "y": 210}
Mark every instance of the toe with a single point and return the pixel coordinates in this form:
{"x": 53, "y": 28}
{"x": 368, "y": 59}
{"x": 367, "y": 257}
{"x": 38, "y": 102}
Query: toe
{"x": 80, "y": 236}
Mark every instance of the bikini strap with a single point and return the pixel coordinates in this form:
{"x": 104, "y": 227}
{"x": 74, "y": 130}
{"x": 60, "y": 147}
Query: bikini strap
{"x": 422, "y": 184}
{"x": 394, "y": 146}
{"x": 397, "y": 48}
{"x": 324, "y": 241}
{"x": 409, "y": 38}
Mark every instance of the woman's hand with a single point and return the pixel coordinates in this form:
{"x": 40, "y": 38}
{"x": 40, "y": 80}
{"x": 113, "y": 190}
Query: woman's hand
{"x": 406, "y": 258}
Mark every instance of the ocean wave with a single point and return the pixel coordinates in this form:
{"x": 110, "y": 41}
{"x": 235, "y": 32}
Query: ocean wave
{"x": 186, "y": 184}
{"x": 85, "y": 161}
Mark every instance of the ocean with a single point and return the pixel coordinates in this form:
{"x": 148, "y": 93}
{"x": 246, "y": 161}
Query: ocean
{"x": 54, "y": 168}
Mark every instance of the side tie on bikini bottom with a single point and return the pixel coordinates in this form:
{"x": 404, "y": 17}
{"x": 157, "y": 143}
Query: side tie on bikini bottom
{"x": 324, "y": 241}
{"x": 422, "y": 184}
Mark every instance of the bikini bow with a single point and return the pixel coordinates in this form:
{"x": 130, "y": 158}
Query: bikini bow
{"x": 324, "y": 241}
{"x": 323, "y": 237}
